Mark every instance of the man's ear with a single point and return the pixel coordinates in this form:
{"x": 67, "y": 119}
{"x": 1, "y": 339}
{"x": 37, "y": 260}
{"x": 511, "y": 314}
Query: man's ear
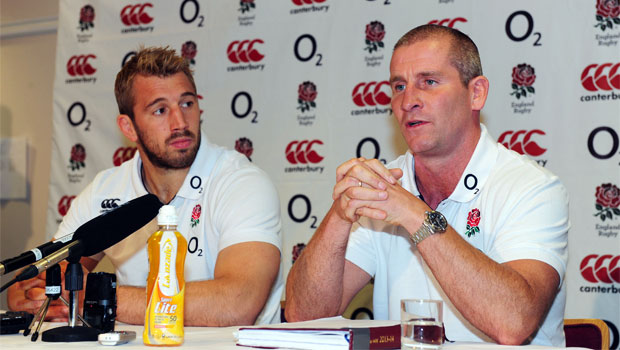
{"x": 125, "y": 124}
{"x": 478, "y": 90}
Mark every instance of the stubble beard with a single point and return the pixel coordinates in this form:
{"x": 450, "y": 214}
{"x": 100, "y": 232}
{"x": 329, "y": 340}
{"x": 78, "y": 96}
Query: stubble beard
{"x": 166, "y": 161}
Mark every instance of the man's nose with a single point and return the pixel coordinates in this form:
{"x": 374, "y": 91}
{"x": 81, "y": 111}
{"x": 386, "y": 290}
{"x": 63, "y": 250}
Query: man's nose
{"x": 177, "y": 119}
{"x": 411, "y": 99}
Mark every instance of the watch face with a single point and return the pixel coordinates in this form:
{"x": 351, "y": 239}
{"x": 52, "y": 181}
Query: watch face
{"x": 438, "y": 221}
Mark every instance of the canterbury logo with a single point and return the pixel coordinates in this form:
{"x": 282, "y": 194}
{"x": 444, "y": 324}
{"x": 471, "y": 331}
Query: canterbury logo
{"x": 370, "y": 94}
{"x": 302, "y": 152}
{"x": 448, "y": 22}
{"x": 135, "y": 14}
{"x": 123, "y": 154}
{"x": 64, "y": 204}
{"x": 522, "y": 145}
{"x": 110, "y": 203}
{"x": 601, "y": 77}
{"x": 79, "y": 65}
{"x": 604, "y": 268}
{"x": 244, "y": 51}
{"x": 307, "y": 2}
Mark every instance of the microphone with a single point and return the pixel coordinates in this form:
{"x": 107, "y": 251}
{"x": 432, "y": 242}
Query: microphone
{"x": 98, "y": 234}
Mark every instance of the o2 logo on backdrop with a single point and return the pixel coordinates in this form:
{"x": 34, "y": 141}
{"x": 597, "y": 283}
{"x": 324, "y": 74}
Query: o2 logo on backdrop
{"x": 601, "y": 269}
{"x": 449, "y": 22}
{"x": 64, "y": 204}
{"x": 515, "y": 30}
{"x": 604, "y": 76}
{"x": 76, "y": 115}
{"x": 123, "y": 154}
{"x": 301, "y": 51}
{"x": 245, "y": 51}
{"x": 134, "y": 16}
{"x": 190, "y": 13}
{"x": 369, "y": 143}
{"x": 602, "y": 147}
{"x": 300, "y": 210}
{"x": 242, "y": 110}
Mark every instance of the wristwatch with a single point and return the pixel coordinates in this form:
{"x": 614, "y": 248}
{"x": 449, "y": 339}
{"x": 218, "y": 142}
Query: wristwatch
{"x": 434, "y": 223}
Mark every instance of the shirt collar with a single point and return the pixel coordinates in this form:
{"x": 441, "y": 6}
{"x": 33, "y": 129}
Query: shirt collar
{"x": 194, "y": 183}
{"x": 475, "y": 175}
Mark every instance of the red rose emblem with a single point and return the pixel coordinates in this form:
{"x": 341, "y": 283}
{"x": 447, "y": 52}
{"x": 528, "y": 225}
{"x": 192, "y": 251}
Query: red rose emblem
{"x": 307, "y": 91}
{"x": 87, "y": 14}
{"x": 608, "y": 8}
{"x": 244, "y": 146}
{"x": 188, "y": 50}
{"x": 473, "y": 219}
{"x": 608, "y": 195}
{"x": 375, "y": 31}
{"x": 523, "y": 75}
{"x": 297, "y": 249}
{"x": 248, "y": 1}
{"x": 196, "y": 212}
{"x": 78, "y": 153}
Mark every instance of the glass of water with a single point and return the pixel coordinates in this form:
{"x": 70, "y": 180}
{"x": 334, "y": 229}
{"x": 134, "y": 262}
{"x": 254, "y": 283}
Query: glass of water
{"x": 421, "y": 324}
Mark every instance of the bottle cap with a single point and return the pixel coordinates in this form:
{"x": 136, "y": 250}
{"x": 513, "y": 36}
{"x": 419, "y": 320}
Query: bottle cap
{"x": 167, "y": 215}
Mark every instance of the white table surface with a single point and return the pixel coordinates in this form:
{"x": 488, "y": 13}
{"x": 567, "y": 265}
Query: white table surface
{"x": 222, "y": 338}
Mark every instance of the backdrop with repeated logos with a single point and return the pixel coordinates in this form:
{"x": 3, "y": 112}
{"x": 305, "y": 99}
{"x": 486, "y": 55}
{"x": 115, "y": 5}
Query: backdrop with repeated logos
{"x": 300, "y": 86}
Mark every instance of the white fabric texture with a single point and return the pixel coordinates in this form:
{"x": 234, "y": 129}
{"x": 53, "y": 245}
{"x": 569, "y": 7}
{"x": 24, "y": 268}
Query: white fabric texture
{"x": 238, "y": 201}
{"x": 523, "y": 215}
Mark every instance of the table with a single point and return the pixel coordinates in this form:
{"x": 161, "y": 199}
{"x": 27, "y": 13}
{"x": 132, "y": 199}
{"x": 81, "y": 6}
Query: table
{"x": 223, "y": 338}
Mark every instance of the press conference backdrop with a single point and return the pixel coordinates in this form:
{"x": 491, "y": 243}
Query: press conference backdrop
{"x": 299, "y": 86}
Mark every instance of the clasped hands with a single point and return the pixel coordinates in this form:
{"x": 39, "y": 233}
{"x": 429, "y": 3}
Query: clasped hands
{"x": 365, "y": 187}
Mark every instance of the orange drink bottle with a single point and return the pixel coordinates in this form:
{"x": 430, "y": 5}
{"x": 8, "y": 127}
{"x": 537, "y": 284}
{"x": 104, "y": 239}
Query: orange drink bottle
{"x": 163, "y": 324}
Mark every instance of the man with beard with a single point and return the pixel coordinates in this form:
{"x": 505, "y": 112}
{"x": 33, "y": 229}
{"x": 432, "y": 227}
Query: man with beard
{"x": 458, "y": 218}
{"x": 228, "y": 208}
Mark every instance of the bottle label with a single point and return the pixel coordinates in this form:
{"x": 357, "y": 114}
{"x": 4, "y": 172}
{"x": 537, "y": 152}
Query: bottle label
{"x": 164, "y": 318}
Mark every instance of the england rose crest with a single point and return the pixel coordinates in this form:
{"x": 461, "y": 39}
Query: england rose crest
{"x": 244, "y": 146}
{"x": 196, "y": 215}
{"x": 607, "y": 201}
{"x": 188, "y": 51}
{"x": 607, "y": 12}
{"x": 306, "y": 94}
{"x": 375, "y": 31}
{"x": 78, "y": 155}
{"x": 297, "y": 249}
{"x": 473, "y": 220}
{"x": 87, "y": 16}
{"x": 523, "y": 77}
{"x": 246, "y": 5}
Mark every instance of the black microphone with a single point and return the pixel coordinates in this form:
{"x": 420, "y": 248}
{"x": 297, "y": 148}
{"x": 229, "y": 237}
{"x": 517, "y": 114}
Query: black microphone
{"x": 98, "y": 234}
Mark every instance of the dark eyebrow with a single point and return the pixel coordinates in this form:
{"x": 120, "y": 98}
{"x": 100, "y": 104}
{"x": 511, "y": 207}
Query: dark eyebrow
{"x": 396, "y": 78}
{"x": 157, "y": 100}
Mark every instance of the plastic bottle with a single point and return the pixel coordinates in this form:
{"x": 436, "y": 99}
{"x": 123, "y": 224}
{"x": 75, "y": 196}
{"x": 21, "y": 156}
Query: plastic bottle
{"x": 163, "y": 324}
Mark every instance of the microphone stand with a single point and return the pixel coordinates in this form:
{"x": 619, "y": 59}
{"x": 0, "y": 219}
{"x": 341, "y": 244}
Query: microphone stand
{"x": 74, "y": 281}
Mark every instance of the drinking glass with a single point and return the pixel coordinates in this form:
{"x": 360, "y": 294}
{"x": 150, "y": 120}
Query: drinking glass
{"x": 421, "y": 324}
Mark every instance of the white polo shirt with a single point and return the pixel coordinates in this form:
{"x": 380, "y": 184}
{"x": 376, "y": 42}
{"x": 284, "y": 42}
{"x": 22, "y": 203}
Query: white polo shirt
{"x": 238, "y": 203}
{"x": 523, "y": 215}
